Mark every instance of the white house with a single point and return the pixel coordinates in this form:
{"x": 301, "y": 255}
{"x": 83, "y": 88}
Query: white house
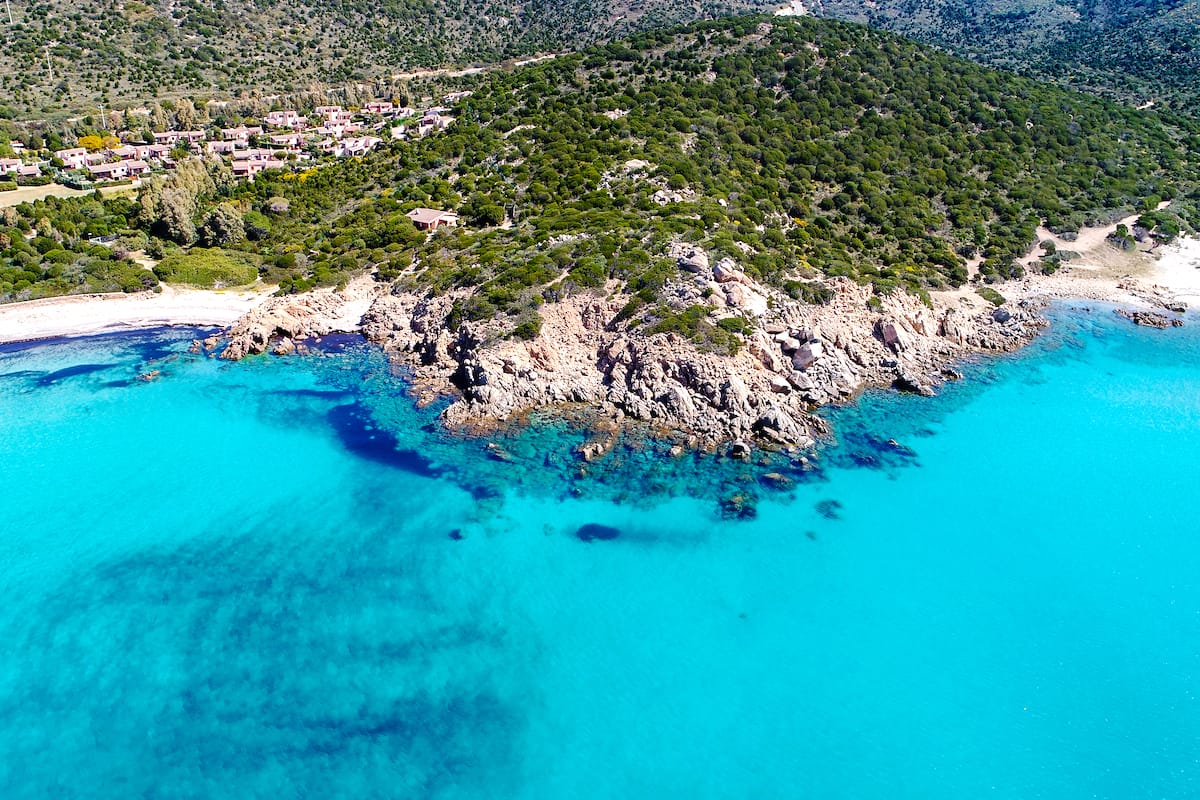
{"x": 72, "y": 158}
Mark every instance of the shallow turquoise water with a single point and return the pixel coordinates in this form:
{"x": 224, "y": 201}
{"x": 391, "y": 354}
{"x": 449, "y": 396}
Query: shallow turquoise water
{"x": 267, "y": 580}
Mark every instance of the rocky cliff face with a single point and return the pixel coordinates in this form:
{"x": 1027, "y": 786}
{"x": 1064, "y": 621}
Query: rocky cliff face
{"x": 795, "y": 356}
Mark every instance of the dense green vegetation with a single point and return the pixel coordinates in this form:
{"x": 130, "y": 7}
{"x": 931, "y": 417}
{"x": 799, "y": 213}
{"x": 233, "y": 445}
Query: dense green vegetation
{"x": 1134, "y": 50}
{"x": 64, "y": 56}
{"x": 207, "y": 269}
{"x": 800, "y": 149}
{"x": 45, "y": 248}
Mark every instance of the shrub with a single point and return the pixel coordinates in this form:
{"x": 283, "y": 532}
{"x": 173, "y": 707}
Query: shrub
{"x": 991, "y": 295}
{"x": 207, "y": 268}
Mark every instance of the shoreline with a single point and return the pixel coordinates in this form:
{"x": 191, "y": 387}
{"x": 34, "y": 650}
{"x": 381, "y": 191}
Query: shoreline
{"x": 72, "y": 316}
{"x": 795, "y": 358}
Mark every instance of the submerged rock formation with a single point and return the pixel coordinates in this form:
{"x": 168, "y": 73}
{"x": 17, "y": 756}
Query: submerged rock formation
{"x": 794, "y": 358}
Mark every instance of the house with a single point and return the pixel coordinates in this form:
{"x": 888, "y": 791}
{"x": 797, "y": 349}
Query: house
{"x": 152, "y": 151}
{"x": 241, "y": 133}
{"x": 125, "y": 152}
{"x": 9, "y": 165}
{"x": 222, "y": 148}
{"x": 333, "y": 114}
{"x": 18, "y": 147}
{"x": 29, "y": 171}
{"x": 454, "y": 97}
{"x": 379, "y": 107}
{"x": 248, "y": 169}
{"x": 178, "y": 137}
{"x": 288, "y": 141}
{"x": 73, "y": 158}
{"x": 357, "y": 147}
{"x": 136, "y": 168}
{"x": 428, "y": 219}
{"x": 254, "y": 154}
{"x": 109, "y": 172}
{"x": 286, "y": 119}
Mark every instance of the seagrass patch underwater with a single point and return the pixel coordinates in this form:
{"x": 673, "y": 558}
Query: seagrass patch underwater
{"x": 280, "y": 578}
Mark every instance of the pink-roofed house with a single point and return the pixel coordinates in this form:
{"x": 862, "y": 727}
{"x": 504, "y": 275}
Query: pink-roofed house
{"x": 136, "y": 167}
{"x": 288, "y": 141}
{"x": 241, "y": 133}
{"x": 9, "y": 165}
{"x": 357, "y": 147}
{"x": 379, "y": 107}
{"x": 155, "y": 151}
{"x": 28, "y": 171}
{"x": 109, "y": 172}
{"x": 286, "y": 119}
{"x": 248, "y": 169}
{"x": 428, "y": 219}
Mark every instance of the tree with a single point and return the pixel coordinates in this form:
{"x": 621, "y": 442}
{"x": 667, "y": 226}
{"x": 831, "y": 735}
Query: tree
{"x": 222, "y": 226}
{"x": 90, "y": 143}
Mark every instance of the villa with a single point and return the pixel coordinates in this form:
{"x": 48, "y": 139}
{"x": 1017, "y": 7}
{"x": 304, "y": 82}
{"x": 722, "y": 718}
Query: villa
{"x": 428, "y": 219}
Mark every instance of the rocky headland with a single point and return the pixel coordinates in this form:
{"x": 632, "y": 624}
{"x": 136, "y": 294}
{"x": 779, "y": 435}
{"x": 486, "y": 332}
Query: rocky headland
{"x": 794, "y": 356}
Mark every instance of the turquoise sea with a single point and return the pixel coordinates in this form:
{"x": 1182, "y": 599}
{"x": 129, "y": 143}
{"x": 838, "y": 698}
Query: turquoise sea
{"x": 279, "y": 579}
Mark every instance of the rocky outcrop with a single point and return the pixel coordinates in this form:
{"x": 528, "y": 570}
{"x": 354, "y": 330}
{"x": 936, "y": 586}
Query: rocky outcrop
{"x": 795, "y": 357}
{"x": 1150, "y": 319}
{"x": 279, "y": 323}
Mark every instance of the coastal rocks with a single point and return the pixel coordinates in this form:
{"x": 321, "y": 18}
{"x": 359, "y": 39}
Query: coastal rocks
{"x": 806, "y": 355}
{"x": 589, "y": 362}
{"x": 1177, "y": 306}
{"x": 1149, "y": 319}
{"x": 909, "y": 380}
{"x": 746, "y": 299}
{"x": 299, "y": 317}
{"x": 893, "y": 335}
{"x": 726, "y": 271}
{"x": 689, "y": 258}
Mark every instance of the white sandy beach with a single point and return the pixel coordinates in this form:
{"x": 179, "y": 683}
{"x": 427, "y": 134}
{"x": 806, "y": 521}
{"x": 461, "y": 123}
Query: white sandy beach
{"x": 1178, "y": 270}
{"x": 81, "y": 315}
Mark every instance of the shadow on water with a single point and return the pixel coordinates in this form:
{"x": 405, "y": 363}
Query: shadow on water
{"x": 52, "y": 378}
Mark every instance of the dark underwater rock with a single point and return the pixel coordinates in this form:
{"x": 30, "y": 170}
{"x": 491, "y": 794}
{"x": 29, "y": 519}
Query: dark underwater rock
{"x": 829, "y": 509}
{"x": 739, "y": 506}
{"x": 593, "y": 531}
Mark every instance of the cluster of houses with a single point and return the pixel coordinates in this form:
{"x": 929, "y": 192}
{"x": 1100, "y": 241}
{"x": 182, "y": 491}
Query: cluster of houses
{"x": 284, "y": 136}
{"x": 16, "y": 168}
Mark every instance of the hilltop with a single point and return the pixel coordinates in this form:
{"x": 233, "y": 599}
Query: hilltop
{"x": 1136, "y": 51}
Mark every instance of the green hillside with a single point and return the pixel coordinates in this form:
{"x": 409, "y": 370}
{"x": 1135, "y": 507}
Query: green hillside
{"x": 63, "y": 56}
{"x": 801, "y": 149}
{"x": 1132, "y": 50}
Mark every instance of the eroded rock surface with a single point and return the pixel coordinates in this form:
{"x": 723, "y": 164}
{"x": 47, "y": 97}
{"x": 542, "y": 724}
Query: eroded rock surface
{"x": 795, "y": 356}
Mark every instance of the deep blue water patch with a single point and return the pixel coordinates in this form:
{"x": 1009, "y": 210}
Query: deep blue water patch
{"x": 359, "y": 433}
{"x": 593, "y": 532}
{"x": 72, "y": 372}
